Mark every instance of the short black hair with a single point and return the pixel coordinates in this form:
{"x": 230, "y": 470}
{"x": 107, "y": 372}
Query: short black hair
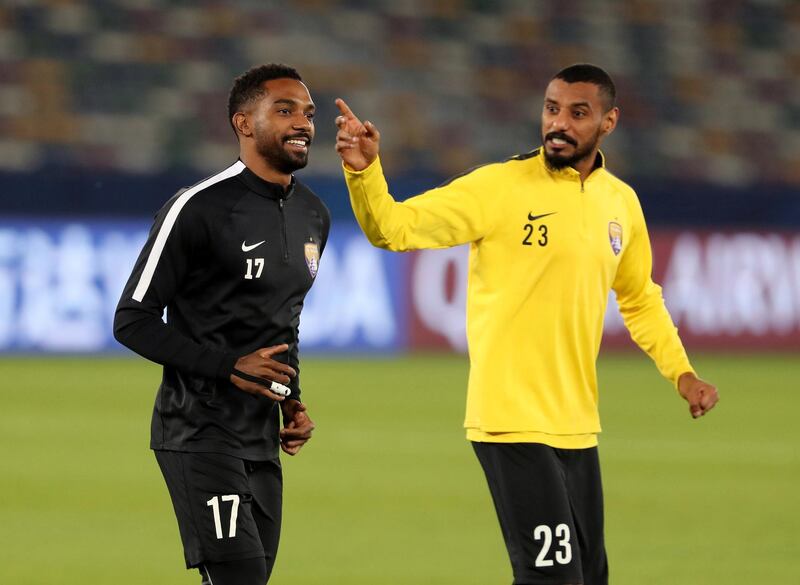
{"x": 588, "y": 73}
{"x": 249, "y": 85}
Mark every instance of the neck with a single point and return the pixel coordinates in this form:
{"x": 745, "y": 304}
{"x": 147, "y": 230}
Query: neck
{"x": 586, "y": 165}
{"x": 262, "y": 169}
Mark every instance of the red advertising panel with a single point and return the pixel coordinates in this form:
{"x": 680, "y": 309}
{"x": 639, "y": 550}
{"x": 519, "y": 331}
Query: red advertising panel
{"x": 724, "y": 290}
{"x": 437, "y": 293}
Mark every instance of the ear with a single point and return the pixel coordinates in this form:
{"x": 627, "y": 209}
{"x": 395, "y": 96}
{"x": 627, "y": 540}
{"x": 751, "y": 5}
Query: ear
{"x": 610, "y": 119}
{"x": 242, "y": 124}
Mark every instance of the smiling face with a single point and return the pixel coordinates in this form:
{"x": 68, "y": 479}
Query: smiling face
{"x": 575, "y": 119}
{"x": 281, "y": 124}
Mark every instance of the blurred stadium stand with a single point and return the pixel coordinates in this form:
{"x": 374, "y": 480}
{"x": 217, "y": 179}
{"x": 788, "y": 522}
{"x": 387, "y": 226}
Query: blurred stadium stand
{"x": 107, "y": 106}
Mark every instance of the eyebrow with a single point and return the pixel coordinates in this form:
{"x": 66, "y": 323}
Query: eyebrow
{"x": 572, "y": 105}
{"x": 291, "y": 102}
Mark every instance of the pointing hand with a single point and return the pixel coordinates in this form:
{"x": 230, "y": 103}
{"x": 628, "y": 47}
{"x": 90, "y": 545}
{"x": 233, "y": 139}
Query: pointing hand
{"x": 356, "y": 142}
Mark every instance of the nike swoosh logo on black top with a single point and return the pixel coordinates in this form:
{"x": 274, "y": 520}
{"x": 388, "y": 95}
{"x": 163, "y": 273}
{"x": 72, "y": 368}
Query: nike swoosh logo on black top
{"x": 246, "y": 248}
{"x": 535, "y": 217}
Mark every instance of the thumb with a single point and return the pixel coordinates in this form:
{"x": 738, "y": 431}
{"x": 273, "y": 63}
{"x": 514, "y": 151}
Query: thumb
{"x": 266, "y": 352}
{"x": 371, "y": 130}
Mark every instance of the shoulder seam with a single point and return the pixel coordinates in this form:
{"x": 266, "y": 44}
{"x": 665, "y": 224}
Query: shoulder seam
{"x": 619, "y": 184}
{"x": 524, "y": 156}
{"x": 169, "y": 221}
{"x": 462, "y": 174}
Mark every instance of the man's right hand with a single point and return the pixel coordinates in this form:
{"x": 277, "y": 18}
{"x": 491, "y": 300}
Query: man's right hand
{"x": 356, "y": 142}
{"x": 261, "y": 365}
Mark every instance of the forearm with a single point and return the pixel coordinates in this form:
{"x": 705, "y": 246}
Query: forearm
{"x": 439, "y": 218}
{"x": 150, "y": 337}
{"x": 653, "y": 330}
{"x": 373, "y": 206}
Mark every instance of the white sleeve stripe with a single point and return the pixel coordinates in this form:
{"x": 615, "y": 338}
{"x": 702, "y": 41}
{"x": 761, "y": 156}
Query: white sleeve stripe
{"x": 169, "y": 221}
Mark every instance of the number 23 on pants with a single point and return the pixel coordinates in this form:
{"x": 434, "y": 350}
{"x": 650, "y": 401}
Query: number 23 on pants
{"x": 561, "y": 552}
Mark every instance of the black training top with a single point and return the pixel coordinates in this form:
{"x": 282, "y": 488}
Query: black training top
{"x": 231, "y": 259}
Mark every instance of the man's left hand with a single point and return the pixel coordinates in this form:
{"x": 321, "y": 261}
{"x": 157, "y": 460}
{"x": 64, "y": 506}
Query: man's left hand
{"x": 297, "y": 426}
{"x": 700, "y": 395}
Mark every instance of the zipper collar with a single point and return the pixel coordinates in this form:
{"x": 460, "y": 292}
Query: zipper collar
{"x": 266, "y": 188}
{"x": 571, "y": 174}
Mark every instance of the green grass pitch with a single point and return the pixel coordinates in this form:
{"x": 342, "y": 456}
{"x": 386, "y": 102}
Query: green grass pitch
{"x": 389, "y": 491}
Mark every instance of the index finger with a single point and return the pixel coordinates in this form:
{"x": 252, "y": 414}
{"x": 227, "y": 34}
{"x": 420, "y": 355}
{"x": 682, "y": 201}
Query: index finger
{"x": 272, "y": 395}
{"x": 262, "y": 390}
{"x": 294, "y": 433}
{"x": 709, "y": 399}
{"x": 345, "y": 109}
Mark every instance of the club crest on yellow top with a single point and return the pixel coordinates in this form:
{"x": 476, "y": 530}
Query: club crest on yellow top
{"x": 615, "y": 237}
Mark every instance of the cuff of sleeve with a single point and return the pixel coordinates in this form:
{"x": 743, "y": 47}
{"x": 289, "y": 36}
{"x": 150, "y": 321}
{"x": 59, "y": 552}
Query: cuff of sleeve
{"x": 294, "y": 384}
{"x": 687, "y": 370}
{"x": 221, "y": 365}
{"x": 370, "y": 169}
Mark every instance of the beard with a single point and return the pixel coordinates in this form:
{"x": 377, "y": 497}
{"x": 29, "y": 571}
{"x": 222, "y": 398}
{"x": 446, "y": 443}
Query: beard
{"x": 559, "y": 161}
{"x": 272, "y": 150}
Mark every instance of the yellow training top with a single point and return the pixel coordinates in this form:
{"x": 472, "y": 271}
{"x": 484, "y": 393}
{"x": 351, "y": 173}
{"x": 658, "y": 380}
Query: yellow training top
{"x": 545, "y": 249}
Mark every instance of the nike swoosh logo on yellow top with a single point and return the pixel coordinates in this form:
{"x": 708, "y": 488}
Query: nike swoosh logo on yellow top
{"x": 535, "y": 217}
{"x": 246, "y": 248}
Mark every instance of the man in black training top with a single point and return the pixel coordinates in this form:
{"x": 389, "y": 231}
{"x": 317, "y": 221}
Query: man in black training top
{"x": 232, "y": 259}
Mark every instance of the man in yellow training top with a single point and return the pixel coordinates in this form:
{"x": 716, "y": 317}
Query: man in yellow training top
{"x": 550, "y": 233}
